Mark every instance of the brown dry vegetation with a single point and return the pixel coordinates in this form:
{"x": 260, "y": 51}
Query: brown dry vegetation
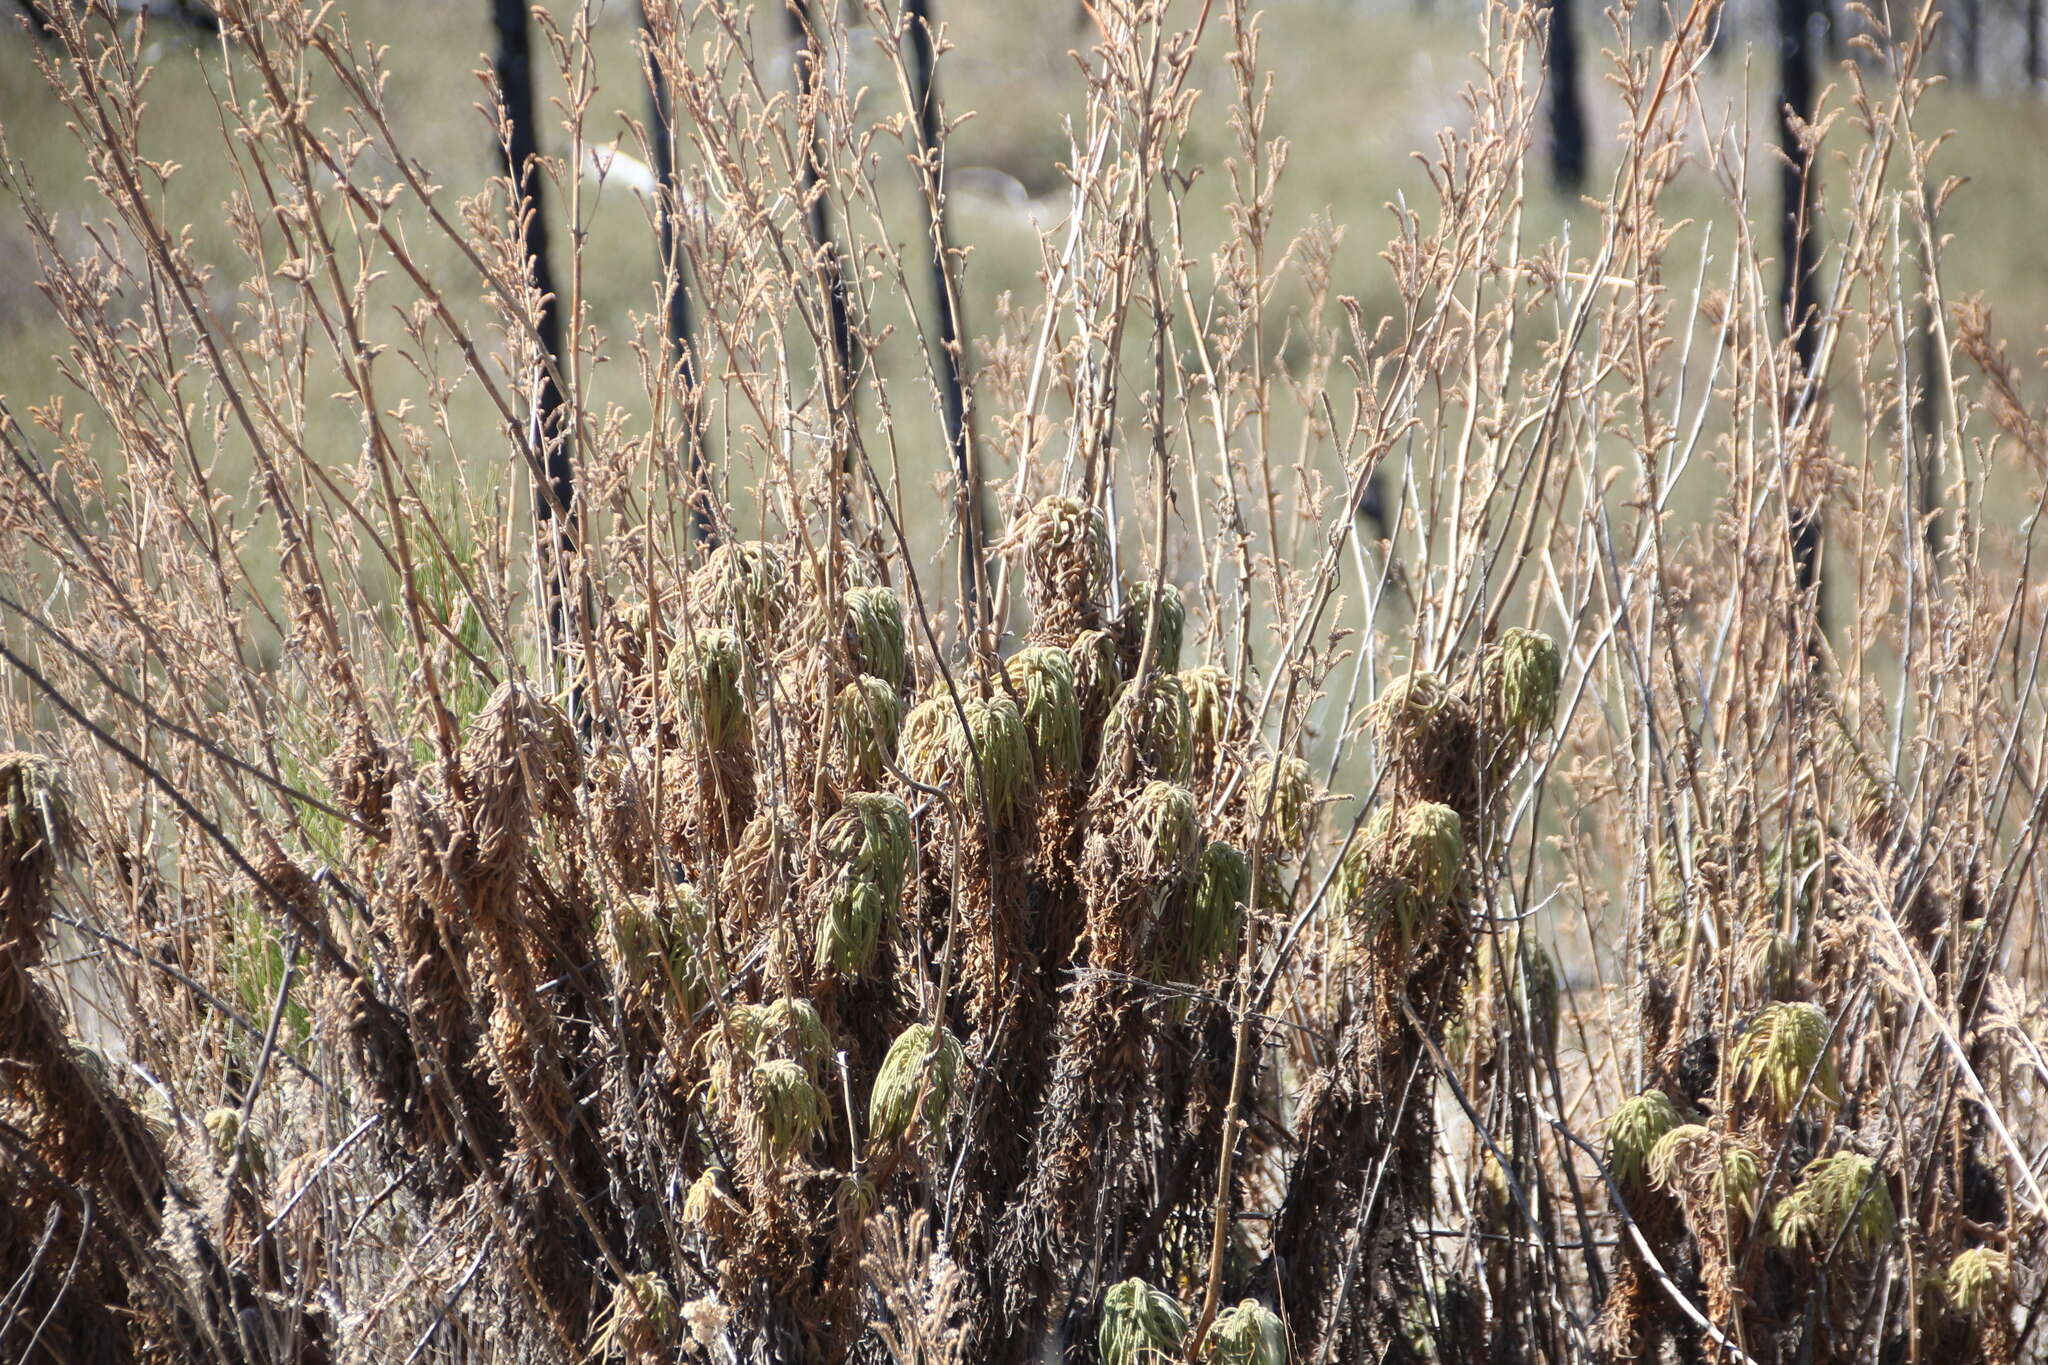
{"x": 1190, "y": 923}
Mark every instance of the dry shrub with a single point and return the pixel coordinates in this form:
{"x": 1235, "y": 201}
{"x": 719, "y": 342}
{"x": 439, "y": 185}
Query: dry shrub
{"x": 689, "y": 927}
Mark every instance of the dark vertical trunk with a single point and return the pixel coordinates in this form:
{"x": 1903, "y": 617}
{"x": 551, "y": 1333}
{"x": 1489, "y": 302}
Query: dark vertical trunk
{"x": 1797, "y": 287}
{"x": 1567, "y": 108}
{"x": 809, "y": 58}
{"x": 1973, "y": 41}
{"x": 675, "y": 301}
{"x": 557, "y": 498}
{"x": 2033, "y": 44}
{"x": 1827, "y": 18}
{"x": 197, "y": 15}
{"x": 1927, "y": 414}
{"x": 952, "y": 386}
{"x": 38, "y": 21}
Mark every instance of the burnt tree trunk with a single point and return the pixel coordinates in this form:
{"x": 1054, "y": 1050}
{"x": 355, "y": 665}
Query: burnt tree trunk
{"x": 1797, "y": 288}
{"x": 1927, "y": 428}
{"x": 2033, "y": 44}
{"x": 675, "y": 294}
{"x": 952, "y": 383}
{"x": 549, "y": 438}
{"x": 1567, "y": 105}
{"x": 809, "y": 59}
{"x": 38, "y": 22}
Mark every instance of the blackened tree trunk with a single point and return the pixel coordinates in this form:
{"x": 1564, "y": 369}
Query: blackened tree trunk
{"x": 1927, "y": 415}
{"x": 675, "y": 301}
{"x": 1797, "y": 288}
{"x": 38, "y": 21}
{"x": 1828, "y": 18}
{"x": 521, "y": 149}
{"x": 1567, "y": 106}
{"x": 952, "y": 384}
{"x": 2033, "y": 44}
{"x": 809, "y": 59}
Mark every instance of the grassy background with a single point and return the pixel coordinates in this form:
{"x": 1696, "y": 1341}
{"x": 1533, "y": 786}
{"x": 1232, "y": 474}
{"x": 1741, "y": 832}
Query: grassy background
{"x": 1357, "y": 90}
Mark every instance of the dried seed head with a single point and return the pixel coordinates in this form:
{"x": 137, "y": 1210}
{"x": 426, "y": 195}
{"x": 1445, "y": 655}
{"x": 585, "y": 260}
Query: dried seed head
{"x": 1173, "y": 620}
{"x": 1428, "y": 738}
{"x": 1209, "y": 713}
{"x": 222, "y": 1126}
{"x": 1356, "y": 892}
{"x": 1678, "y": 1154}
{"x": 708, "y": 677}
{"x": 1785, "y": 1044}
{"x": 1066, "y": 563}
{"x": 874, "y": 634}
{"x": 519, "y": 760}
{"x": 1002, "y": 777}
{"x": 1098, "y": 672}
{"x": 1520, "y": 678}
{"x": 1140, "y": 1325}
{"x": 856, "y": 1199}
{"x": 866, "y": 850}
{"x": 788, "y": 1107}
{"x": 707, "y": 1318}
{"x": 1406, "y": 865}
{"x": 1165, "y": 829}
{"x": 625, "y": 631}
{"x": 1149, "y": 724}
{"x": 1289, "y": 820}
{"x": 710, "y": 1204}
{"x": 867, "y": 717}
{"x": 1405, "y": 713}
{"x": 1839, "y": 1199}
{"x": 620, "y": 814}
{"x": 361, "y": 773}
{"x": 1978, "y": 1281}
{"x": 660, "y": 941}
{"x": 1633, "y": 1132}
{"x": 223, "y": 1129}
{"x": 1044, "y": 677}
{"x": 1430, "y": 848}
{"x": 745, "y": 1022}
{"x": 1691, "y": 1158}
{"x": 1740, "y": 1179}
{"x": 755, "y": 869}
{"x": 921, "y": 743}
{"x": 519, "y": 733}
{"x": 744, "y": 582}
{"x": 639, "y": 1321}
{"x": 35, "y": 828}
{"x": 1249, "y": 1334}
{"x": 1223, "y": 888}
{"x": 791, "y": 1029}
{"x": 686, "y": 928}
{"x": 633, "y": 941}
{"x": 913, "y": 1060}
{"x": 1771, "y": 962}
